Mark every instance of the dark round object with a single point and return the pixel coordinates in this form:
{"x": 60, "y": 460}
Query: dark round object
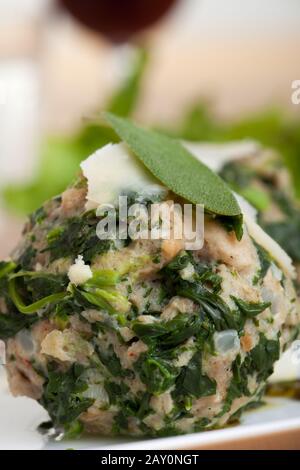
{"x": 117, "y": 19}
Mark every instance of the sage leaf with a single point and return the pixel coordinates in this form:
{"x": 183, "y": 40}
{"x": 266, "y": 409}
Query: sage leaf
{"x": 177, "y": 169}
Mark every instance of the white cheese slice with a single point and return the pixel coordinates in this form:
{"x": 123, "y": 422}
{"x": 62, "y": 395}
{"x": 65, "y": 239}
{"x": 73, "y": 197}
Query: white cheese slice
{"x": 114, "y": 170}
{"x": 246, "y": 208}
{"x": 285, "y": 369}
{"x": 263, "y": 239}
{"x": 272, "y": 247}
{"x": 215, "y": 156}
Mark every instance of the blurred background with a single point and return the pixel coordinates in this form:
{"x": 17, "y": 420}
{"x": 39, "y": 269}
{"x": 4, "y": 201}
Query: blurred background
{"x": 198, "y": 69}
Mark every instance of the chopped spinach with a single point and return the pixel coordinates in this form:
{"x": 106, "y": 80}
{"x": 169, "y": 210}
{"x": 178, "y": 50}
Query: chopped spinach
{"x": 263, "y": 357}
{"x": 204, "y": 272}
{"x": 120, "y": 423}
{"x": 6, "y": 268}
{"x": 286, "y": 233}
{"x": 265, "y": 260}
{"x": 239, "y": 384}
{"x": 207, "y": 277}
{"x": 28, "y": 309}
{"x": 111, "y": 361}
{"x": 213, "y": 306}
{"x": 178, "y": 263}
{"x": 26, "y": 260}
{"x": 109, "y": 300}
{"x": 250, "y": 309}
{"x": 45, "y": 284}
{"x": 192, "y": 382}
{"x": 62, "y": 395}
{"x": 78, "y": 235}
{"x": 203, "y": 290}
{"x": 66, "y": 307}
{"x": 129, "y": 405}
{"x": 12, "y": 323}
{"x": 38, "y": 216}
{"x": 138, "y": 407}
{"x": 168, "y": 334}
{"x": 144, "y": 405}
{"x": 259, "y": 360}
{"x": 157, "y": 374}
{"x": 116, "y": 392}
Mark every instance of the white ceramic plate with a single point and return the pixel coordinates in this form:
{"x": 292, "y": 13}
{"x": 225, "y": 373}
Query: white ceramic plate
{"x": 21, "y": 416}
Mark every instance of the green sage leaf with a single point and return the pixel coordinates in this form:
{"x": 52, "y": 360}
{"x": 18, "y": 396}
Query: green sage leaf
{"x": 177, "y": 169}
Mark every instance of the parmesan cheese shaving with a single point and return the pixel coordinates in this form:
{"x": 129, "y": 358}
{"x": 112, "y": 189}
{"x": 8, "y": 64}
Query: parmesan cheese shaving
{"x": 215, "y": 156}
{"x": 112, "y": 171}
{"x": 272, "y": 247}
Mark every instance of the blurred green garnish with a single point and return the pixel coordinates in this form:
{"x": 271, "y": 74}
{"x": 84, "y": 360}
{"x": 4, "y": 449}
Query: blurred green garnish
{"x": 61, "y": 156}
{"x": 124, "y": 101}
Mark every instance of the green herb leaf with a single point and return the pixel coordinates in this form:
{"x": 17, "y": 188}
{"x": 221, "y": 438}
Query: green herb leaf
{"x": 34, "y": 307}
{"x": 116, "y": 392}
{"x": 192, "y": 382}
{"x": 103, "y": 278}
{"x": 204, "y": 273}
{"x": 213, "y": 306}
{"x": 263, "y": 357}
{"x": 6, "y": 268}
{"x": 27, "y": 257}
{"x": 111, "y": 361}
{"x": 158, "y": 375}
{"x": 85, "y": 298}
{"x": 260, "y": 361}
{"x": 41, "y": 284}
{"x": 62, "y": 396}
{"x": 125, "y": 98}
{"x": 250, "y": 309}
{"x": 238, "y": 386}
{"x": 176, "y": 168}
{"x": 168, "y": 334}
{"x": 11, "y": 324}
{"x": 265, "y": 263}
{"x": 78, "y": 235}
